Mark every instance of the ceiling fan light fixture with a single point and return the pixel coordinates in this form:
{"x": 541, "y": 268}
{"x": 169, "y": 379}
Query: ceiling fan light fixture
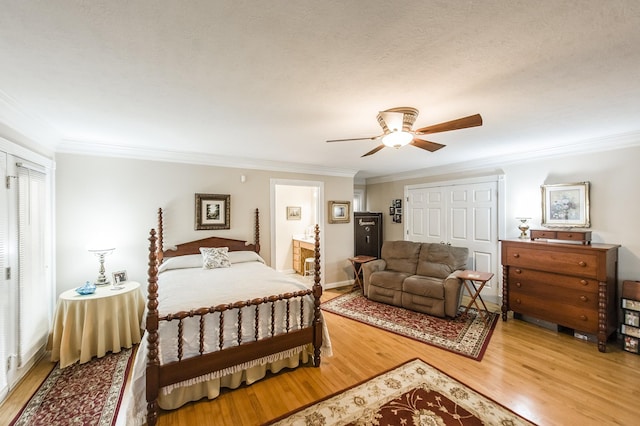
{"x": 397, "y": 139}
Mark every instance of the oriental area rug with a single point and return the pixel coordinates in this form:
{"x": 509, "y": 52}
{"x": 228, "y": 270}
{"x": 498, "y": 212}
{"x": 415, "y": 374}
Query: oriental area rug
{"x": 414, "y": 393}
{"x": 81, "y": 394}
{"x": 467, "y": 335}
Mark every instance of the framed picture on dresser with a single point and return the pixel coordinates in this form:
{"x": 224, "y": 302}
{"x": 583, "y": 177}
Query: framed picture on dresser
{"x": 566, "y": 205}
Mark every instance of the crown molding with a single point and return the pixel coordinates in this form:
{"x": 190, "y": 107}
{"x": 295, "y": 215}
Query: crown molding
{"x": 35, "y": 129}
{"x": 102, "y": 149}
{"x": 600, "y": 144}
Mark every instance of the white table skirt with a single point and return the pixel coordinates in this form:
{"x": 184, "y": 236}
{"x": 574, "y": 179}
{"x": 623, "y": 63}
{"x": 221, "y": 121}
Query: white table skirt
{"x": 92, "y": 325}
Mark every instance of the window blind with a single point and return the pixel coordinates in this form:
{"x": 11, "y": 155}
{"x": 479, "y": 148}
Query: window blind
{"x": 34, "y": 291}
{"x": 4, "y": 287}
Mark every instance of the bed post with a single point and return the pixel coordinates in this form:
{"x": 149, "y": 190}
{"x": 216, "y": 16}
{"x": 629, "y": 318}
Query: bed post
{"x": 317, "y": 293}
{"x": 153, "y": 361}
{"x": 256, "y": 237}
{"x": 160, "y": 236}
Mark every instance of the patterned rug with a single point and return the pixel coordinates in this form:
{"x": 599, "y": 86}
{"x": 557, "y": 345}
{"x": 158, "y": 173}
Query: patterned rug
{"x": 467, "y": 335}
{"x": 414, "y": 393}
{"x": 81, "y": 394}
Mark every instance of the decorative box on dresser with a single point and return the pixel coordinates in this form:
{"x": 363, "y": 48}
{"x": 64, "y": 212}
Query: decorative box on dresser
{"x": 569, "y": 284}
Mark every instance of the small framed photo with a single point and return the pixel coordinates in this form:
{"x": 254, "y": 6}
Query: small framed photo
{"x": 397, "y": 203}
{"x": 630, "y": 344}
{"x": 119, "y": 277}
{"x": 213, "y": 211}
{"x": 629, "y": 330}
{"x": 632, "y": 318}
{"x": 339, "y": 211}
{"x": 397, "y": 218}
{"x": 392, "y": 210}
{"x": 631, "y": 304}
{"x": 566, "y": 205}
{"x": 294, "y": 213}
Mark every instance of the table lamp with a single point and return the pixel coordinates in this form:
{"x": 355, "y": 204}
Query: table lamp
{"x": 101, "y": 253}
{"x": 523, "y": 227}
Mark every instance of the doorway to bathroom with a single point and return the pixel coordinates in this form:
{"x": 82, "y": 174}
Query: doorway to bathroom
{"x": 295, "y": 210}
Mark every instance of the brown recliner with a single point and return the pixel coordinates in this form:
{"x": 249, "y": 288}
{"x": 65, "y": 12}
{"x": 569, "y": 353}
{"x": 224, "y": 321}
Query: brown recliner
{"x": 417, "y": 276}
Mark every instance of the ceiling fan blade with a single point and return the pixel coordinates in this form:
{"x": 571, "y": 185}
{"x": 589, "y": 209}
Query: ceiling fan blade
{"x": 428, "y": 145}
{"x": 372, "y": 138}
{"x": 374, "y": 150}
{"x": 460, "y": 123}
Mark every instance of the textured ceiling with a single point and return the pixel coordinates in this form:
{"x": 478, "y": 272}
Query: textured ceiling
{"x": 270, "y": 81}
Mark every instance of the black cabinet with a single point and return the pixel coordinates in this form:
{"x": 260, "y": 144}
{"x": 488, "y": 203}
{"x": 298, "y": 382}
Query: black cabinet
{"x": 368, "y": 234}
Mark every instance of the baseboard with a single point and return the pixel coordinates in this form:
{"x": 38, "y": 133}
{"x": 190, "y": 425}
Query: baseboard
{"x": 337, "y": 284}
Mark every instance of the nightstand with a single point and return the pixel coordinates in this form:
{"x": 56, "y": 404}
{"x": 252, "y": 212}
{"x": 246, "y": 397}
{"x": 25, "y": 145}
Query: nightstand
{"x": 94, "y": 324}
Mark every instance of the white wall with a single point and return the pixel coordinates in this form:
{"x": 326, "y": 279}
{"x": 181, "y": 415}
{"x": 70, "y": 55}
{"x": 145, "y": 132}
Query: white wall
{"x": 120, "y": 197}
{"x": 614, "y": 197}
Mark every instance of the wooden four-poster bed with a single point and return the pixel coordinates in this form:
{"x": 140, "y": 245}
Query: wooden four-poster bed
{"x": 256, "y": 319}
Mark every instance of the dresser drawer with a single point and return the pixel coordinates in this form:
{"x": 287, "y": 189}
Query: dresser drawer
{"x": 543, "y": 234}
{"x": 519, "y": 275}
{"x": 551, "y": 294}
{"x": 574, "y": 263}
{"x": 579, "y": 317}
{"x": 574, "y": 236}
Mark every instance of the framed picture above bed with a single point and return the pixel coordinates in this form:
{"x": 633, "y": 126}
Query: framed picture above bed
{"x": 213, "y": 211}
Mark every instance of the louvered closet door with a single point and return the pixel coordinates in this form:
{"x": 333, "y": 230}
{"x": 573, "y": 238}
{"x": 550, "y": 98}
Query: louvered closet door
{"x": 34, "y": 287}
{"x": 4, "y": 282}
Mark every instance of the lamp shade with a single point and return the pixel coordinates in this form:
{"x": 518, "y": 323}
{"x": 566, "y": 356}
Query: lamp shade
{"x": 397, "y": 139}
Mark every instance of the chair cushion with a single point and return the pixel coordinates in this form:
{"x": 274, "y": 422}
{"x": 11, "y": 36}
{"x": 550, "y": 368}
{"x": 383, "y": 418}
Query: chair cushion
{"x": 440, "y": 260}
{"x": 401, "y": 256}
{"x": 388, "y": 279}
{"x": 424, "y": 286}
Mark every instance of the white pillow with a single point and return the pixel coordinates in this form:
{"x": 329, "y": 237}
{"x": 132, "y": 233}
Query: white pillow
{"x": 244, "y": 256}
{"x": 215, "y": 257}
{"x": 181, "y": 262}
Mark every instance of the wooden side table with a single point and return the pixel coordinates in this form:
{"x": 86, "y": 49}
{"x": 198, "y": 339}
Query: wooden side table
{"x": 356, "y": 263}
{"x": 469, "y": 279}
{"x": 92, "y": 325}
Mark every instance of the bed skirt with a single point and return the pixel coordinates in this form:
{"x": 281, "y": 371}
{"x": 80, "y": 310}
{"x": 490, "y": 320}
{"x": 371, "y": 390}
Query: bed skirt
{"x": 178, "y": 395}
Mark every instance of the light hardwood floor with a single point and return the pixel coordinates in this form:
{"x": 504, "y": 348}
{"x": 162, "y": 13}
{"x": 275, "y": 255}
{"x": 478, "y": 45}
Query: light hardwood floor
{"x": 550, "y": 378}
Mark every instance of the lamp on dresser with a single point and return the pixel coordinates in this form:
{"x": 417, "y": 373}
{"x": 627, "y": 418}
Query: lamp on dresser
{"x": 523, "y": 227}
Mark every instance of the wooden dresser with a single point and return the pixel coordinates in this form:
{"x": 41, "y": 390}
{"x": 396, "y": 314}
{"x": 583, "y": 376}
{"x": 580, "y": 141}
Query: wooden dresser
{"x": 572, "y": 285}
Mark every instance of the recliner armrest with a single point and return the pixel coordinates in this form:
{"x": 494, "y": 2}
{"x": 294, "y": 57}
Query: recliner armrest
{"x": 452, "y": 294}
{"x": 368, "y": 269}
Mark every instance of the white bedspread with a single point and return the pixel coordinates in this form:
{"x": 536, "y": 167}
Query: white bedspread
{"x": 186, "y": 289}
{"x": 192, "y": 288}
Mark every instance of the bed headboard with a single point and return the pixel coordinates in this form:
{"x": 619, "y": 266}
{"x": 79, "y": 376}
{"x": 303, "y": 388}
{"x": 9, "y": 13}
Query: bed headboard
{"x": 193, "y": 247}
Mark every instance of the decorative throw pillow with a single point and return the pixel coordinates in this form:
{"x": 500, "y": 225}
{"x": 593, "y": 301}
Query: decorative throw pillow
{"x": 215, "y": 257}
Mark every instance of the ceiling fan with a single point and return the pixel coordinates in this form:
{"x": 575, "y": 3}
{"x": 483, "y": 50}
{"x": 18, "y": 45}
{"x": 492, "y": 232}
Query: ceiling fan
{"x": 396, "y": 126}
